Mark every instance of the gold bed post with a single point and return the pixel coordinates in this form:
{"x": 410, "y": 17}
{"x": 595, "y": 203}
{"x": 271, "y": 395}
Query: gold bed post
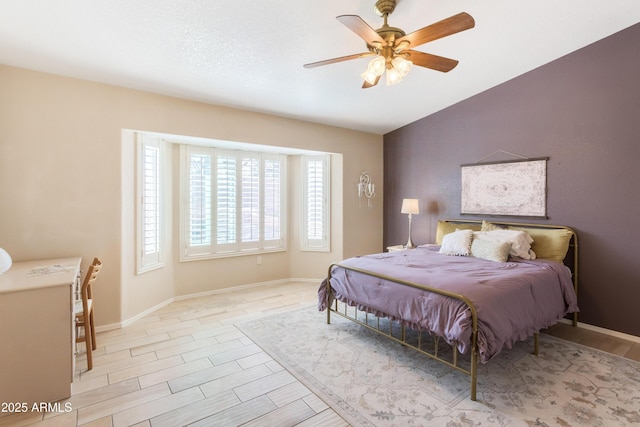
{"x": 329, "y": 295}
{"x": 575, "y": 273}
{"x": 474, "y": 372}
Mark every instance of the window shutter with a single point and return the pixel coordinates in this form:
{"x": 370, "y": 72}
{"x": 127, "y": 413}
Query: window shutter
{"x": 226, "y": 201}
{"x": 233, "y": 202}
{"x": 150, "y": 204}
{"x": 273, "y": 218}
{"x": 315, "y": 221}
{"x": 250, "y": 205}
{"x": 199, "y": 199}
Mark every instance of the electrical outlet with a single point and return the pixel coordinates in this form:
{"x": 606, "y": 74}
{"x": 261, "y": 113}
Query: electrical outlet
{"x": 259, "y": 260}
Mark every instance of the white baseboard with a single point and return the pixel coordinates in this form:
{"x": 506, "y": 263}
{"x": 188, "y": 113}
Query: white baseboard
{"x": 298, "y": 279}
{"x": 232, "y": 288}
{"x": 604, "y": 331}
{"x": 109, "y": 327}
{"x": 138, "y": 316}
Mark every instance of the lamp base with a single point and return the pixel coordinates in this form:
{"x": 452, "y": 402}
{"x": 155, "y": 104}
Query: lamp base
{"x": 409, "y": 244}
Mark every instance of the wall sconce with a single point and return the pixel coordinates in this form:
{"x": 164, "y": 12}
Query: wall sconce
{"x": 411, "y": 207}
{"x": 366, "y": 189}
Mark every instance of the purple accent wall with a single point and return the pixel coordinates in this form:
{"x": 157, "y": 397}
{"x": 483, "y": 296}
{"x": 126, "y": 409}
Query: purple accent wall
{"x": 583, "y": 112}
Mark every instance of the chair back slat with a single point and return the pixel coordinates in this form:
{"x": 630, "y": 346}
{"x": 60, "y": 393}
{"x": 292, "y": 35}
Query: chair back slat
{"x": 84, "y": 319}
{"x": 90, "y": 278}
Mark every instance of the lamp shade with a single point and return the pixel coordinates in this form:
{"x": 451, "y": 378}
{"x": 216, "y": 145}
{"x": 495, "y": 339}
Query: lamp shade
{"x": 410, "y": 206}
{"x": 5, "y": 261}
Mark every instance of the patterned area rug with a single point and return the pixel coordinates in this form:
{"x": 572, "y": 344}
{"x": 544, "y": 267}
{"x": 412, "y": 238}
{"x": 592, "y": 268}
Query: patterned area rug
{"x": 372, "y": 381}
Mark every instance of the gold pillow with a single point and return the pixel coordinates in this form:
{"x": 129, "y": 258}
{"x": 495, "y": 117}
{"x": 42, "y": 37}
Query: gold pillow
{"x": 551, "y": 244}
{"x": 548, "y": 243}
{"x": 445, "y": 228}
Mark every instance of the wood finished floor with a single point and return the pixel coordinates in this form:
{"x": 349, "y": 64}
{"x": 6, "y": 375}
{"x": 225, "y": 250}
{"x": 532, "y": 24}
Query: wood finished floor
{"x": 186, "y": 364}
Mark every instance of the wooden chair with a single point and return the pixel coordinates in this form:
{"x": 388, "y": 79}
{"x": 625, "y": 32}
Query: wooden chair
{"x": 84, "y": 311}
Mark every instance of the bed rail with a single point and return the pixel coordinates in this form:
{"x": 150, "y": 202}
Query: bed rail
{"x": 401, "y": 336}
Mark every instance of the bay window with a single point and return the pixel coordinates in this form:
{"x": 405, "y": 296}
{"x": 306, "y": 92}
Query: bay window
{"x": 233, "y": 202}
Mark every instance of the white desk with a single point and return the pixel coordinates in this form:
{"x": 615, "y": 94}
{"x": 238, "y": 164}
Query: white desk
{"x": 37, "y": 333}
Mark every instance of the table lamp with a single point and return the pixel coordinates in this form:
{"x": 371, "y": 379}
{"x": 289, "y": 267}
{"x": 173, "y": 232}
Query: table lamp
{"x": 411, "y": 207}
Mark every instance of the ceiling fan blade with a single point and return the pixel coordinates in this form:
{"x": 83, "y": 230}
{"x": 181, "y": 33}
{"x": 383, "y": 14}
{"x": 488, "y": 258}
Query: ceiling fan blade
{"x": 340, "y": 59}
{"x": 367, "y": 85}
{"x": 446, "y": 27}
{"x": 361, "y": 28}
{"x": 427, "y": 60}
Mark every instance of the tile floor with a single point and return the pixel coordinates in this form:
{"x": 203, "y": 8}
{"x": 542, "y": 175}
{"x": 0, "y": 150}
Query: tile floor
{"x": 186, "y": 364}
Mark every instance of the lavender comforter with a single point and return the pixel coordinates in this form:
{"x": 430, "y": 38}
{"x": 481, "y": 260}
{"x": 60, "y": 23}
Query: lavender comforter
{"x": 513, "y": 300}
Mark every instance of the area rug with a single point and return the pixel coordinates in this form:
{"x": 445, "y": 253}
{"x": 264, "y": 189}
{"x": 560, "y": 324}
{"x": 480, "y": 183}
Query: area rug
{"x": 372, "y": 381}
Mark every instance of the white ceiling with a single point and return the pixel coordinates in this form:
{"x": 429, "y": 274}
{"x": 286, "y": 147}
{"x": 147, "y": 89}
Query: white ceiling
{"x": 249, "y": 53}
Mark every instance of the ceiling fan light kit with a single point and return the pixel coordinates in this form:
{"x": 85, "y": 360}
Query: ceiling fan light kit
{"x": 392, "y": 47}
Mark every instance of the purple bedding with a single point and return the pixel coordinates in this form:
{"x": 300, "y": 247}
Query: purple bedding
{"x": 513, "y": 300}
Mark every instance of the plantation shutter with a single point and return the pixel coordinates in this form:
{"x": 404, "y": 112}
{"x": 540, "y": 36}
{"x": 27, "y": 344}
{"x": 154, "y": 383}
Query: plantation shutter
{"x": 149, "y": 241}
{"x": 316, "y": 203}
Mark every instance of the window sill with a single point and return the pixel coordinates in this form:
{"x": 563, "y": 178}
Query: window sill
{"x": 223, "y": 255}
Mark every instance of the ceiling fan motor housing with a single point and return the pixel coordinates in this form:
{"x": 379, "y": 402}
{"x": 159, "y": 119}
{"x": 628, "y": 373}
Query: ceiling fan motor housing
{"x": 389, "y": 34}
{"x": 385, "y": 7}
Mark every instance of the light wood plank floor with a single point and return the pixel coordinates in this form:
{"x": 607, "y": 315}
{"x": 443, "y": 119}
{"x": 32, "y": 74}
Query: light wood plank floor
{"x": 186, "y": 364}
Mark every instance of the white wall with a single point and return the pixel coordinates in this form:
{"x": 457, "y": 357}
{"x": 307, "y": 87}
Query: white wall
{"x": 67, "y": 185}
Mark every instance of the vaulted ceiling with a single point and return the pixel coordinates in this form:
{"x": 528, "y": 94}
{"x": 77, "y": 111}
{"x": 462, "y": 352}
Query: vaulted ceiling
{"x": 249, "y": 54}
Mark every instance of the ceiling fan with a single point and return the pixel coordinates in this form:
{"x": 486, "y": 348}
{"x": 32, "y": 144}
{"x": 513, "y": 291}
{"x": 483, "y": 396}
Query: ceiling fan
{"x": 392, "y": 48}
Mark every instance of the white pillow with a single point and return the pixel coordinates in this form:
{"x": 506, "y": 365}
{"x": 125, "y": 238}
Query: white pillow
{"x": 490, "y": 250}
{"x": 520, "y": 241}
{"x": 457, "y": 243}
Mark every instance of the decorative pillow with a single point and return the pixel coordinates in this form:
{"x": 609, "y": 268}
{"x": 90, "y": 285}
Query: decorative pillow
{"x": 520, "y": 241}
{"x": 445, "y": 228}
{"x": 457, "y": 243}
{"x": 489, "y": 250}
{"x": 550, "y": 244}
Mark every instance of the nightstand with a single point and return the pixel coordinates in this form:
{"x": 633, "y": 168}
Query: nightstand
{"x": 396, "y": 248}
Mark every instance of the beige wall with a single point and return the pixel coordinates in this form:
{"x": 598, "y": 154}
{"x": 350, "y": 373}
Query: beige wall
{"x": 67, "y": 186}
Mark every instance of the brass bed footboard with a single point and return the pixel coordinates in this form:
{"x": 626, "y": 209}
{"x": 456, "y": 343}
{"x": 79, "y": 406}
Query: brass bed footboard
{"x": 400, "y": 334}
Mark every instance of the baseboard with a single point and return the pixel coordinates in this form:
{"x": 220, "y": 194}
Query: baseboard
{"x": 138, "y": 316}
{"x": 303, "y": 280}
{"x": 604, "y": 331}
{"x": 109, "y": 327}
{"x": 232, "y": 288}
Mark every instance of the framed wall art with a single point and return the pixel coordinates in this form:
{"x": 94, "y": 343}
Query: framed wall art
{"x": 508, "y": 188}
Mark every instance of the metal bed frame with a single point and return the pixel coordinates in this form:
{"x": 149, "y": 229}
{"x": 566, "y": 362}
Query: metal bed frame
{"x": 414, "y": 340}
